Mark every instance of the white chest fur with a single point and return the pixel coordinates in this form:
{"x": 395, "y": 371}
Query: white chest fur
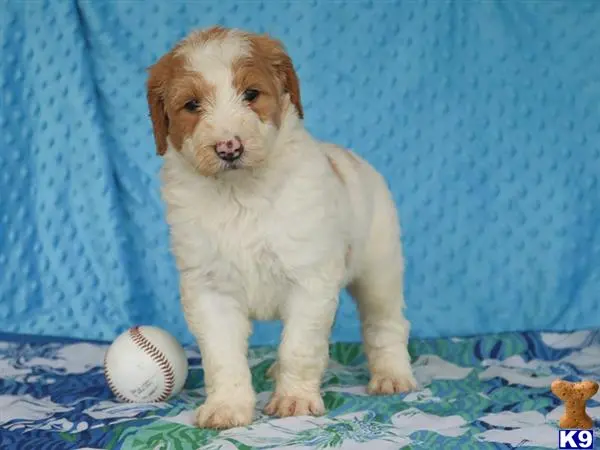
{"x": 249, "y": 241}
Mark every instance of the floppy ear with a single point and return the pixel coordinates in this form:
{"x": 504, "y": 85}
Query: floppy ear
{"x": 274, "y": 52}
{"x": 158, "y": 75}
{"x": 291, "y": 83}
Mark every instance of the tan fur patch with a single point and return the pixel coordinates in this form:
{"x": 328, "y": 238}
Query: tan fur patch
{"x": 336, "y": 169}
{"x": 186, "y": 87}
{"x": 272, "y": 52}
{"x": 159, "y": 76}
{"x": 268, "y": 69}
{"x": 255, "y": 73}
{"x": 170, "y": 87}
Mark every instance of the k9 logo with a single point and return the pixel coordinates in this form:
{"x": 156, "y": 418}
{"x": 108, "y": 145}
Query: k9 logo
{"x": 575, "y": 439}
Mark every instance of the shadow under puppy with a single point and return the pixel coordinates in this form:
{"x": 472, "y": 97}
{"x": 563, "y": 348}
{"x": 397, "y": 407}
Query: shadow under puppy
{"x": 269, "y": 223}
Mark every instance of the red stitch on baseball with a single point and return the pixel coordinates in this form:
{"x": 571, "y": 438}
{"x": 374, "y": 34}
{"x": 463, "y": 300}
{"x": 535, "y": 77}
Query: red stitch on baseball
{"x": 158, "y": 357}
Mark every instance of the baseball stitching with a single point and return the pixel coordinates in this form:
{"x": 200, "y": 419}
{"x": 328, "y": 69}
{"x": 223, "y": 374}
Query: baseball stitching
{"x": 156, "y": 355}
{"x": 111, "y": 383}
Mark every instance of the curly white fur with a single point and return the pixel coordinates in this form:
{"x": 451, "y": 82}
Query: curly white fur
{"x": 279, "y": 240}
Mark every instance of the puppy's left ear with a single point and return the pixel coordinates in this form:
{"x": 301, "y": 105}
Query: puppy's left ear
{"x": 291, "y": 83}
{"x": 274, "y": 51}
{"x": 158, "y": 75}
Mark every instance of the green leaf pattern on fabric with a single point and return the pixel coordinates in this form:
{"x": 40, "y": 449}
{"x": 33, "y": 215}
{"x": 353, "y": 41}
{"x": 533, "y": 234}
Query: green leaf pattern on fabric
{"x": 482, "y": 392}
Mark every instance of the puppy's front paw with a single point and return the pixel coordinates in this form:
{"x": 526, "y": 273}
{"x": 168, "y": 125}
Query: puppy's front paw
{"x": 295, "y": 405}
{"x": 388, "y": 383}
{"x": 222, "y": 413}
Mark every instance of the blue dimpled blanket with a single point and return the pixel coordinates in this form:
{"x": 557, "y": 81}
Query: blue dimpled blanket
{"x": 483, "y": 116}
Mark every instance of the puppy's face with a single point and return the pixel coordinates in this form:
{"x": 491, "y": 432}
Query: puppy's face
{"x": 219, "y": 96}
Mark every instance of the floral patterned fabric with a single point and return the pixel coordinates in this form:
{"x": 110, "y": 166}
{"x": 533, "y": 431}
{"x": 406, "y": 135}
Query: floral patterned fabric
{"x": 483, "y": 392}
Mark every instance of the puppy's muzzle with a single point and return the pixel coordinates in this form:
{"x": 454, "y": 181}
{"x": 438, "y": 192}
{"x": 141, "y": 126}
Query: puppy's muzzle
{"x": 229, "y": 150}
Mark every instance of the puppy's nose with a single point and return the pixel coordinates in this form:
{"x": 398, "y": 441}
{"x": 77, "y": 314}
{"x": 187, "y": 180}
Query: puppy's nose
{"x": 229, "y": 150}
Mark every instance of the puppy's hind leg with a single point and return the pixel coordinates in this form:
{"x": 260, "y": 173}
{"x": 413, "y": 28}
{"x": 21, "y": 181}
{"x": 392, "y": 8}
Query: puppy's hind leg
{"x": 378, "y": 291}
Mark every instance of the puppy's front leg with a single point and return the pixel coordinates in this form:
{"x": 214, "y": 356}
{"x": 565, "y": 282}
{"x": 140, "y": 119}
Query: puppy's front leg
{"x": 222, "y": 330}
{"x": 303, "y": 352}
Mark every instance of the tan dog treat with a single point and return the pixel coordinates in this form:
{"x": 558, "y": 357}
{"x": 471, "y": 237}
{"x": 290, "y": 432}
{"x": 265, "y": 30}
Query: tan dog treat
{"x": 574, "y": 396}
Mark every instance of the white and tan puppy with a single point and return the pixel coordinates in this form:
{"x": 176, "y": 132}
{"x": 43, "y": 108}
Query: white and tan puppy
{"x": 269, "y": 223}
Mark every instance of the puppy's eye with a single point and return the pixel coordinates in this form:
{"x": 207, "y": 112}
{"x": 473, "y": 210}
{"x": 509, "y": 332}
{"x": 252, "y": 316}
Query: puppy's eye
{"x": 192, "y": 106}
{"x": 250, "y": 95}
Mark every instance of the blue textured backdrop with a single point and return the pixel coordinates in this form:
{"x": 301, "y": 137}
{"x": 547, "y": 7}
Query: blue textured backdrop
{"x": 484, "y": 117}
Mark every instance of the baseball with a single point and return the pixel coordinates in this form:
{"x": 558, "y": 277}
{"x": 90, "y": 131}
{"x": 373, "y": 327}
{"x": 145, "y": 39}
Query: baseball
{"x": 145, "y": 364}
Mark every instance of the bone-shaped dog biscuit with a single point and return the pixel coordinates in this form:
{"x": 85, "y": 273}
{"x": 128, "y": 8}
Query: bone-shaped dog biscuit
{"x": 574, "y": 396}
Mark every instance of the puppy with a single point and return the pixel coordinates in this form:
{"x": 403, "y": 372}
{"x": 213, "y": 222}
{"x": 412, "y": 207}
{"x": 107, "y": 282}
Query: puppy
{"x": 269, "y": 223}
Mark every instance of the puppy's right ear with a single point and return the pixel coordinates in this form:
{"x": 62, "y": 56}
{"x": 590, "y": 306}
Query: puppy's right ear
{"x": 158, "y": 75}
